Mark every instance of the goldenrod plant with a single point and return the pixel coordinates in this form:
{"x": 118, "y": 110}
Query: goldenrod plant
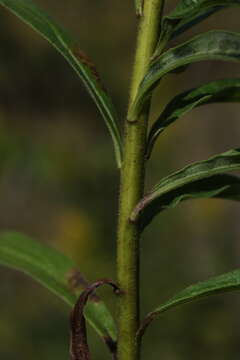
{"x": 155, "y": 58}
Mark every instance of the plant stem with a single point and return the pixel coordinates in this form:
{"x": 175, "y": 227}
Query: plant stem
{"x": 132, "y": 186}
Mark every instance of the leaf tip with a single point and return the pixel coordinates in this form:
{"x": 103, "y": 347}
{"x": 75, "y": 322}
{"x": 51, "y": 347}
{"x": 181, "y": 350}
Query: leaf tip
{"x": 111, "y": 344}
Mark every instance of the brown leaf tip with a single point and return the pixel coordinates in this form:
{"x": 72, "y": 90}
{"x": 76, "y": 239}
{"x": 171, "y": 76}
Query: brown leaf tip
{"x": 111, "y": 344}
{"x": 78, "y": 344}
{"x": 101, "y": 282}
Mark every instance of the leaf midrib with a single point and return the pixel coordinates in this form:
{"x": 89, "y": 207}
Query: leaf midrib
{"x": 189, "y": 178}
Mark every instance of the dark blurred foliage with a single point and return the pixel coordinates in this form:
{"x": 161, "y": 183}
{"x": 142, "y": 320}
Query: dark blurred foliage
{"x": 59, "y": 184}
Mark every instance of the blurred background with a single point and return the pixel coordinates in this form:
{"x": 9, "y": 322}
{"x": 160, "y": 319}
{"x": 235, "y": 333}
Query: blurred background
{"x": 59, "y": 184}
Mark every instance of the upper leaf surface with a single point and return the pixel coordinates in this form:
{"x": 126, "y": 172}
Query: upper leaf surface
{"x": 186, "y": 14}
{"x": 34, "y": 16}
{"x": 219, "y": 284}
{"x": 190, "y": 12}
{"x": 202, "y": 179}
{"x": 213, "y": 45}
{"x": 185, "y": 8}
{"x": 216, "y": 285}
{"x": 57, "y": 273}
{"x": 227, "y": 90}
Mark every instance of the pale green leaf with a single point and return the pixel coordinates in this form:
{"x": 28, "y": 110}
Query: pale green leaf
{"x": 139, "y": 7}
{"x": 215, "y": 285}
{"x": 34, "y": 16}
{"x": 227, "y": 90}
{"x": 213, "y": 45}
{"x": 203, "y": 179}
{"x": 54, "y": 271}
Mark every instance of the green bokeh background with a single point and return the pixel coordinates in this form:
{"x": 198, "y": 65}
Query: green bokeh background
{"x": 59, "y": 184}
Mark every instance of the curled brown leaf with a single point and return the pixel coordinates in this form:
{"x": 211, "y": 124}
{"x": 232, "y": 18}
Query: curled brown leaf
{"x": 79, "y": 349}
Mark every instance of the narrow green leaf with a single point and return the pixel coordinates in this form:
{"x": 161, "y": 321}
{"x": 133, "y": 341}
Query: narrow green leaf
{"x": 187, "y": 14}
{"x": 190, "y": 12}
{"x": 195, "y": 17}
{"x": 169, "y": 26}
{"x": 221, "y": 186}
{"x": 215, "y": 285}
{"x": 227, "y": 90}
{"x": 57, "y": 273}
{"x": 213, "y": 45}
{"x": 203, "y": 179}
{"x": 34, "y": 16}
{"x": 186, "y": 9}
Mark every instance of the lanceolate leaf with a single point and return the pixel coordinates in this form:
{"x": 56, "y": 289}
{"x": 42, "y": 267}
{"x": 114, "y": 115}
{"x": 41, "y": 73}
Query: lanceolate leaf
{"x": 173, "y": 27}
{"x": 185, "y": 9}
{"x": 227, "y": 90}
{"x": 190, "y": 12}
{"x": 221, "y": 186}
{"x": 202, "y": 179}
{"x": 216, "y": 285}
{"x": 213, "y": 45}
{"x": 57, "y": 273}
{"x": 31, "y": 14}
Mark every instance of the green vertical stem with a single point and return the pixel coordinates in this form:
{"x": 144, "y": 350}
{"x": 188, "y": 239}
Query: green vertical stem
{"x": 132, "y": 186}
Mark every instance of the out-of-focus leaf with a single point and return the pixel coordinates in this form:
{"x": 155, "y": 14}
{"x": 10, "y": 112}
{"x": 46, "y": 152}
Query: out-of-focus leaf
{"x": 34, "y": 16}
{"x": 213, "y": 45}
{"x": 227, "y": 90}
{"x": 198, "y": 180}
{"x": 216, "y": 285}
{"x": 55, "y": 272}
{"x": 139, "y": 7}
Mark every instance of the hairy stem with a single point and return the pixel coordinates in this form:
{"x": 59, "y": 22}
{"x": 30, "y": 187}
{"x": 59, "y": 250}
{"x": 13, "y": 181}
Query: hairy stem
{"x": 132, "y": 186}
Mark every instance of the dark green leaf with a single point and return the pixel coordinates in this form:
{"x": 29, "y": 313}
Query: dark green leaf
{"x": 216, "y": 285}
{"x": 34, "y": 16}
{"x": 203, "y": 179}
{"x": 57, "y": 273}
{"x": 227, "y": 90}
{"x": 186, "y": 9}
{"x": 196, "y": 18}
{"x": 188, "y": 13}
{"x": 213, "y": 45}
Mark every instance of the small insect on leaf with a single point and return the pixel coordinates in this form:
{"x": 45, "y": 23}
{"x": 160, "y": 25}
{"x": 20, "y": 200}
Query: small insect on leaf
{"x": 85, "y": 59}
{"x": 30, "y": 13}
